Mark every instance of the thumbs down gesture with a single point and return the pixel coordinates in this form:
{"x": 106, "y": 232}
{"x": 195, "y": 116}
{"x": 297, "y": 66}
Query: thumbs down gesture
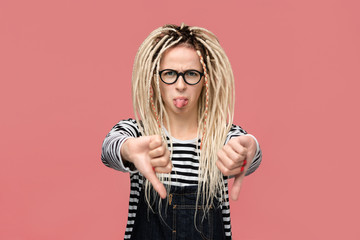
{"x": 234, "y": 158}
{"x": 150, "y": 155}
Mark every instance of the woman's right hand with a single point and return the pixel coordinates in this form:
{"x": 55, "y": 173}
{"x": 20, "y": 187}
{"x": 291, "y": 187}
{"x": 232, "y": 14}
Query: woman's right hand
{"x": 149, "y": 154}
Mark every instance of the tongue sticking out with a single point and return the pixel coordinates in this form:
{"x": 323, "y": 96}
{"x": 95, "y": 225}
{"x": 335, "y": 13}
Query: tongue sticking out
{"x": 180, "y": 102}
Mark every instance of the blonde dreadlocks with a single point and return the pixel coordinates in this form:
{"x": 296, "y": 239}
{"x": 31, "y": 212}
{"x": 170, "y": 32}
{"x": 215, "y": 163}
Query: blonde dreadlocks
{"x": 215, "y": 105}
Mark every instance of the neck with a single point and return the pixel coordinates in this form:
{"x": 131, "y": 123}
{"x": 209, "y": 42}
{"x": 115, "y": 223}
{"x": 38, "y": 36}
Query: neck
{"x": 183, "y": 127}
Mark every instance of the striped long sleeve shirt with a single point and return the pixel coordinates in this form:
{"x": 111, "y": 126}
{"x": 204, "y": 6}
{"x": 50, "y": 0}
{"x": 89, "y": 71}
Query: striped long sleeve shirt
{"x": 185, "y": 160}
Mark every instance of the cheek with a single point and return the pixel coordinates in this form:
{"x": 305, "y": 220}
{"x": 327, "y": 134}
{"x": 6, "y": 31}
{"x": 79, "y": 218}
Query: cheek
{"x": 199, "y": 90}
{"x": 162, "y": 91}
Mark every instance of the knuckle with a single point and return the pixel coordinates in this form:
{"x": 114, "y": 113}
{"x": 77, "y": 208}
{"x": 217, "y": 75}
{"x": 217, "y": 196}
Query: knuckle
{"x": 163, "y": 162}
{"x": 235, "y": 141}
{"x": 223, "y": 169}
{"x": 157, "y": 140}
{"x": 228, "y": 163}
{"x": 158, "y": 152}
{"x": 231, "y": 142}
{"x": 236, "y": 158}
{"x": 226, "y": 172}
{"x": 161, "y": 151}
{"x": 227, "y": 147}
{"x": 243, "y": 154}
{"x": 231, "y": 165}
{"x": 217, "y": 162}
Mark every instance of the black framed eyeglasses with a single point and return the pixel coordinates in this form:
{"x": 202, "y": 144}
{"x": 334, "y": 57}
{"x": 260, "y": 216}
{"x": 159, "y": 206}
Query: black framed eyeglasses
{"x": 191, "y": 77}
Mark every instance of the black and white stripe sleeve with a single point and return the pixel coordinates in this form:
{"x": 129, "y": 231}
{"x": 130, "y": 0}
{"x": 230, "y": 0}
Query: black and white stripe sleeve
{"x": 110, "y": 154}
{"x": 236, "y": 131}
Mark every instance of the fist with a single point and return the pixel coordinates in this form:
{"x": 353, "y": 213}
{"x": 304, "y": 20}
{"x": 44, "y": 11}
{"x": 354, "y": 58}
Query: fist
{"x": 159, "y": 155}
{"x": 234, "y": 158}
{"x": 149, "y": 154}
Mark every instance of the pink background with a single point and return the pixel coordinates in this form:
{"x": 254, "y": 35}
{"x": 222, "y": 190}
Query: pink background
{"x": 65, "y": 70}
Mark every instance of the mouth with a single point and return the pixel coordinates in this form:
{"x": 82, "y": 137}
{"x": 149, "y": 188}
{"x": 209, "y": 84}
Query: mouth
{"x": 180, "y": 102}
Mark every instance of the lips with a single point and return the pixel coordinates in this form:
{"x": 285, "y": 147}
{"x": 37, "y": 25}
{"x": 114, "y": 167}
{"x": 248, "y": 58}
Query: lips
{"x": 180, "y": 102}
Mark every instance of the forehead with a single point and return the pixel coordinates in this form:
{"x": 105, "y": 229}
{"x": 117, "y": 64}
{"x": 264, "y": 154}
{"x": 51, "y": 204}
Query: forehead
{"x": 180, "y": 58}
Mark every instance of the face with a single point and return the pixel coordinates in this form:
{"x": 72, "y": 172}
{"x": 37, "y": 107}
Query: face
{"x": 180, "y": 98}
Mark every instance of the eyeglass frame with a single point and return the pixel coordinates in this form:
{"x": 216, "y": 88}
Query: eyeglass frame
{"x": 181, "y": 74}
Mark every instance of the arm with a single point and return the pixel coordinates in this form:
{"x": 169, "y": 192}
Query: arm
{"x": 125, "y": 150}
{"x": 254, "y": 163}
{"x": 114, "y": 141}
{"x": 240, "y": 156}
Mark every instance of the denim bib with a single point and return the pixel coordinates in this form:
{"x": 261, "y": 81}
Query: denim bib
{"x": 176, "y": 218}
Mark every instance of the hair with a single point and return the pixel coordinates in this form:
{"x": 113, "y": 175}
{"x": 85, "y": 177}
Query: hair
{"x": 215, "y": 104}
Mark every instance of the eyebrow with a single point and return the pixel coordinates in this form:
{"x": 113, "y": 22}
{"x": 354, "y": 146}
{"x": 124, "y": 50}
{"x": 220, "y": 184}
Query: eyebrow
{"x": 191, "y": 69}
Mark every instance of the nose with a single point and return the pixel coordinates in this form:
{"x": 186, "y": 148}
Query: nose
{"x": 180, "y": 84}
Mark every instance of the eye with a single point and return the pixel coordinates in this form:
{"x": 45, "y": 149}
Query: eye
{"x": 169, "y": 73}
{"x": 192, "y": 73}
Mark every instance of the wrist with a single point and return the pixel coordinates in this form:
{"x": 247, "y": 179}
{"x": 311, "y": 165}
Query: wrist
{"x": 124, "y": 150}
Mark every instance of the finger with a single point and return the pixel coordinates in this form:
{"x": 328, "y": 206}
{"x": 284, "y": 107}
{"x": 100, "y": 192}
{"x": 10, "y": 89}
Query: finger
{"x": 157, "y": 152}
{"x": 229, "y": 163}
{"x": 157, "y": 185}
{"x": 155, "y": 142}
{"x": 160, "y": 161}
{"x": 238, "y": 144}
{"x": 246, "y": 141}
{"x": 166, "y": 169}
{"x": 234, "y": 151}
{"x": 226, "y": 171}
{"x": 235, "y": 190}
{"x": 160, "y": 157}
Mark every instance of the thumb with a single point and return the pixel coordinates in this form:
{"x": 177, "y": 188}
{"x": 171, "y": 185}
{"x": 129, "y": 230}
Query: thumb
{"x": 157, "y": 185}
{"x": 154, "y": 142}
{"x": 235, "y": 191}
{"x": 146, "y": 169}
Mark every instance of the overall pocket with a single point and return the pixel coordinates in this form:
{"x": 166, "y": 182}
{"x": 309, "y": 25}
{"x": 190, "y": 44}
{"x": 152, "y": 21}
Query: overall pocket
{"x": 191, "y": 222}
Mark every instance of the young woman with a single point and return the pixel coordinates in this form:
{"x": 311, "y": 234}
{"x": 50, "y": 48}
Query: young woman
{"x": 182, "y": 147}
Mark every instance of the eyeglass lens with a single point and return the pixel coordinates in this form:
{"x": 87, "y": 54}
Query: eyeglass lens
{"x": 190, "y": 76}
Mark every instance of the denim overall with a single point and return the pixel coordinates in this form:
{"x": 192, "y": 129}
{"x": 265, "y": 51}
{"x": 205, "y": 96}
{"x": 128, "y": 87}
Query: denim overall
{"x": 176, "y": 220}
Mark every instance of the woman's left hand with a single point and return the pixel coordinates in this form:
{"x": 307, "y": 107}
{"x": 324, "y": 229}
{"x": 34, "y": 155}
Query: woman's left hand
{"x": 235, "y": 158}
